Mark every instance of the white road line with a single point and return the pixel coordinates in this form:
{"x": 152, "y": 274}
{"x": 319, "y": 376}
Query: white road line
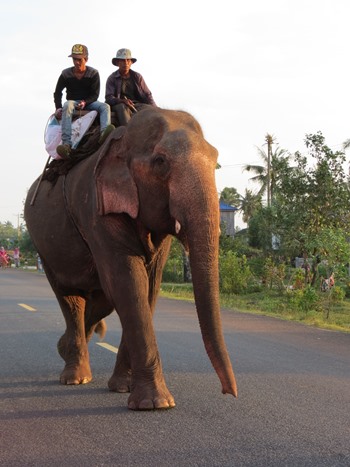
{"x": 27, "y": 307}
{"x": 108, "y": 347}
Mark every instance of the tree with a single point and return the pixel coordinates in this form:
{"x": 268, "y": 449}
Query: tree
{"x": 250, "y": 203}
{"x": 8, "y": 234}
{"x": 267, "y": 175}
{"x": 260, "y": 229}
{"x": 230, "y": 196}
{"x": 311, "y": 200}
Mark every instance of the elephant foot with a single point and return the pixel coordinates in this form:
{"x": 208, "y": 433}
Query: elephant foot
{"x": 62, "y": 347}
{"x": 77, "y": 369}
{"x": 76, "y": 374}
{"x": 120, "y": 382}
{"x": 150, "y": 396}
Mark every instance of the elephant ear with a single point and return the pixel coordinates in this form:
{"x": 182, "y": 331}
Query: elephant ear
{"x": 116, "y": 190}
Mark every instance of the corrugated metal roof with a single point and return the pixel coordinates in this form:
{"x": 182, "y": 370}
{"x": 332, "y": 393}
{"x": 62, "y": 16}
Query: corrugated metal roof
{"x": 226, "y": 207}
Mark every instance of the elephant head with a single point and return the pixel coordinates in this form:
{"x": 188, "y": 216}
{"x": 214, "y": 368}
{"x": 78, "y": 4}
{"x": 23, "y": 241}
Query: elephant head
{"x": 160, "y": 171}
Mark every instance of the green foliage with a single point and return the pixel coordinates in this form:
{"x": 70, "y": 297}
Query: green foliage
{"x": 250, "y": 204}
{"x": 238, "y": 243}
{"x": 274, "y": 274}
{"x": 260, "y": 229}
{"x": 306, "y": 299}
{"x": 174, "y": 268}
{"x": 230, "y": 196}
{"x": 347, "y": 290}
{"x": 256, "y": 265}
{"x": 234, "y": 273}
{"x": 330, "y": 299}
{"x": 337, "y": 294}
{"x": 9, "y": 236}
{"x": 271, "y": 169}
{"x": 298, "y": 279}
{"x": 26, "y": 244}
{"x": 331, "y": 243}
{"x": 312, "y": 203}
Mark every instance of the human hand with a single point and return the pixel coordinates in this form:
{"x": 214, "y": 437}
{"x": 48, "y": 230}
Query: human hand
{"x": 130, "y": 104}
{"x": 58, "y": 114}
{"x": 80, "y": 105}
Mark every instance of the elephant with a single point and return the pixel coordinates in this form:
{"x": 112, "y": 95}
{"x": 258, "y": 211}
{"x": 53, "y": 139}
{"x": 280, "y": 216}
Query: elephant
{"x": 103, "y": 232}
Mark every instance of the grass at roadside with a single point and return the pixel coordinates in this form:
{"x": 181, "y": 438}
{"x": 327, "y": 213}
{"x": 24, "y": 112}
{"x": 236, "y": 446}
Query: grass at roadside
{"x": 273, "y": 303}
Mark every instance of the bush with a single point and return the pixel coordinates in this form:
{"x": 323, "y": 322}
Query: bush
{"x": 256, "y": 265}
{"x": 298, "y": 279}
{"x": 173, "y": 271}
{"x": 235, "y": 273}
{"x": 305, "y": 299}
{"x": 273, "y": 274}
{"x": 337, "y": 294}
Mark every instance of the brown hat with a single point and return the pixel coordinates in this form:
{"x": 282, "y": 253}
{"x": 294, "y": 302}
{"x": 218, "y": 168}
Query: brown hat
{"x": 123, "y": 54}
{"x": 79, "y": 50}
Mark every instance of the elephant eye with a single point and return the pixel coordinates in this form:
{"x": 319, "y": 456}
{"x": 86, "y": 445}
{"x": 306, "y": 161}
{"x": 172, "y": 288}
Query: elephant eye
{"x": 159, "y": 160}
{"x": 160, "y": 165}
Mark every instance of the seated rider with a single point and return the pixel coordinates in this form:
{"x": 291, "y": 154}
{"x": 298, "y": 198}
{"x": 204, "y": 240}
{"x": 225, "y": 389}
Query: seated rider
{"x": 126, "y": 90}
{"x": 82, "y": 85}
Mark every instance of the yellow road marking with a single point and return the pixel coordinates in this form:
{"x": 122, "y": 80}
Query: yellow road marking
{"x": 27, "y": 307}
{"x": 108, "y": 347}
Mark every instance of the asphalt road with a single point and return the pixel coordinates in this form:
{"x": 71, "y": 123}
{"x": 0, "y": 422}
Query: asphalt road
{"x": 292, "y": 409}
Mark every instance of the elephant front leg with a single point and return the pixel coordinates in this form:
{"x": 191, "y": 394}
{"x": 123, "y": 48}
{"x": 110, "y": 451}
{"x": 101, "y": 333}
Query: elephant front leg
{"x": 120, "y": 381}
{"x": 72, "y": 346}
{"x": 148, "y": 389}
{"x": 139, "y": 371}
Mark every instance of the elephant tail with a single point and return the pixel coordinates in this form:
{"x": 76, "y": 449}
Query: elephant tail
{"x": 101, "y": 328}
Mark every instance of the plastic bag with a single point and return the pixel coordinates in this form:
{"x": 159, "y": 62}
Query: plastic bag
{"x": 53, "y": 132}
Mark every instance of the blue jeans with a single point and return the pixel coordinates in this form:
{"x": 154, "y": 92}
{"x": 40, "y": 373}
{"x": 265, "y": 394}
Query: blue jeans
{"x": 67, "y": 112}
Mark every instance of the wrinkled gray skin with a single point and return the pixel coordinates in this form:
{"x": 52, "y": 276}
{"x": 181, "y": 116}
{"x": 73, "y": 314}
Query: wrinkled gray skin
{"x": 103, "y": 233}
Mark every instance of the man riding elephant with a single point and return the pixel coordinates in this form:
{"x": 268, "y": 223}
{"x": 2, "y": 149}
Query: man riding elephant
{"x": 126, "y": 90}
{"x": 82, "y": 84}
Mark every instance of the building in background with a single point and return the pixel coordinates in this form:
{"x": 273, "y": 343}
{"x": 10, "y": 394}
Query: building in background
{"x": 227, "y": 217}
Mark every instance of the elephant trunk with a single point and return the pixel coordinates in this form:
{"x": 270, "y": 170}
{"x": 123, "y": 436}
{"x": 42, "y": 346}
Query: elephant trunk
{"x": 203, "y": 242}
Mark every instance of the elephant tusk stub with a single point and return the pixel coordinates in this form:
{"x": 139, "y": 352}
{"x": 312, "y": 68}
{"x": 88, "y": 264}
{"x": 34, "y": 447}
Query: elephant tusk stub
{"x": 177, "y": 226}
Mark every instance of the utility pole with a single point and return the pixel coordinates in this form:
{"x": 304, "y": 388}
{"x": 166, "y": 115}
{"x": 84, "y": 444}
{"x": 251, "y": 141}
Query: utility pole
{"x": 269, "y": 140}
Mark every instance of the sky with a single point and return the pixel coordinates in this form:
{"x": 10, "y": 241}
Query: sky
{"x": 242, "y": 69}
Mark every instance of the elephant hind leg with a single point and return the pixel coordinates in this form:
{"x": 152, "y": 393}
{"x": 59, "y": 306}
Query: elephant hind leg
{"x": 84, "y": 316}
{"x": 72, "y": 346}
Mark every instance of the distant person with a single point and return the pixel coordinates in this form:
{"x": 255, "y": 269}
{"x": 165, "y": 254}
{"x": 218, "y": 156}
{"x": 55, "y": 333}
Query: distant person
{"x": 126, "y": 90}
{"x": 3, "y": 258}
{"x": 327, "y": 284}
{"x": 16, "y": 256}
{"x": 39, "y": 264}
{"x": 82, "y": 84}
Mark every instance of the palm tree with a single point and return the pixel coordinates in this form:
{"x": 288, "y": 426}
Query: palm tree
{"x": 250, "y": 203}
{"x": 346, "y": 144}
{"x": 267, "y": 175}
{"x": 247, "y": 204}
{"x": 230, "y": 196}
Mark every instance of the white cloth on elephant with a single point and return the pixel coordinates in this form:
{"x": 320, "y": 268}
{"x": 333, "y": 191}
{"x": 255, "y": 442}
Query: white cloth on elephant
{"x": 53, "y": 132}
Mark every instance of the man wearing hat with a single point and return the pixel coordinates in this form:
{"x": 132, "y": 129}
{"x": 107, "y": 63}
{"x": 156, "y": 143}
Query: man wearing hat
{"x": 82, "y": 85}
{"x": 126, "y": 90}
